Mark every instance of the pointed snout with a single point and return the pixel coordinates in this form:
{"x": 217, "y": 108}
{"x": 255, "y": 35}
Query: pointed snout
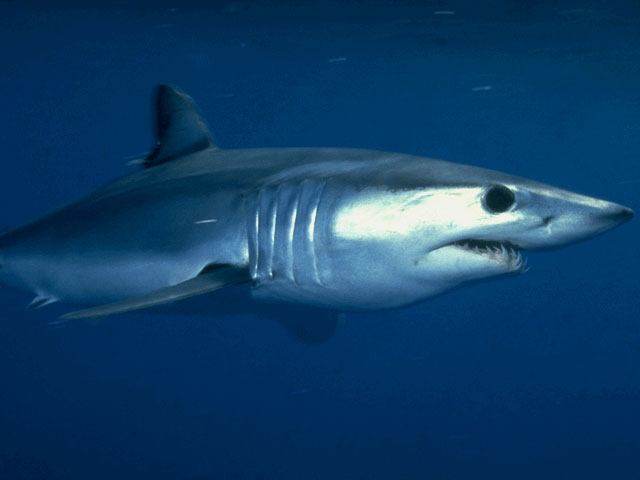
{"x": 618, "y": 214}
{"x": 588, "y": 218}
{"x": 567, "y": 217}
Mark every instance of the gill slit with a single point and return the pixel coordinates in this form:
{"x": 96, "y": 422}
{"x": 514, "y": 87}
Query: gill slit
{"x": 311, "y": 231}
{"x": 291, "y": 232}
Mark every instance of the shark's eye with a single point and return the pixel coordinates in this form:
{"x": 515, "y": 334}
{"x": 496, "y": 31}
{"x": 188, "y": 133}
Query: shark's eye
{"x": 498, "y": 199}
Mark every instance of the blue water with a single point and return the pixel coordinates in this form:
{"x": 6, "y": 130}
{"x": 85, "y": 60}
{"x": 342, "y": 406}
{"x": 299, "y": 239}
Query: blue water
{"x": 534, "y": 377}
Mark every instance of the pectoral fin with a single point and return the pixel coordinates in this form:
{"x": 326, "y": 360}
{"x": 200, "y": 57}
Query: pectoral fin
{"x": 212, "y": 278}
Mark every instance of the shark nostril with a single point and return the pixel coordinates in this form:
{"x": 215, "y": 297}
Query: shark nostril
{"x": 547, "y": 220}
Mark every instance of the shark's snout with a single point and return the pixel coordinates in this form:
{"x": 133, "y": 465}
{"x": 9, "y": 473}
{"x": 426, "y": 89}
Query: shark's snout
{"x": 567, "y": 217}
{"x": 618, "y": 214}
{"x": 609, "y": 215}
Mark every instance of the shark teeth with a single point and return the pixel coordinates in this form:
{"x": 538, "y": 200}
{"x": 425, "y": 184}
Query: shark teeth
{"x": 504, "y": 253}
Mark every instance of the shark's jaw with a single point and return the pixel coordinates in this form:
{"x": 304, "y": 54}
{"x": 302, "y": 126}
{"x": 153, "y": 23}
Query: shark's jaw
{"x": 497, "y": 256}
{"x": 505, "y": 253}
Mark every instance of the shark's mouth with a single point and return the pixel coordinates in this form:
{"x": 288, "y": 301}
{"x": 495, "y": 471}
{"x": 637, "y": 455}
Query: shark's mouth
{"x": 505, "y": 253}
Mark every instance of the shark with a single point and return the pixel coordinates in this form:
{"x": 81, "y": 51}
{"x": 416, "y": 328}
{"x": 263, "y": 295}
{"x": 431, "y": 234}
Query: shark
{"x": 330, "y": 228}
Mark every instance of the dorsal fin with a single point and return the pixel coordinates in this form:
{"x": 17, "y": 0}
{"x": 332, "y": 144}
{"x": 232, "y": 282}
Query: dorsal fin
{"x": 179, "y": 128}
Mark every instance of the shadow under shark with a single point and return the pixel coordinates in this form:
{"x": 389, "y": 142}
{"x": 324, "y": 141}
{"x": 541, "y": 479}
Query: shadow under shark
{"x": 338, "y": 229}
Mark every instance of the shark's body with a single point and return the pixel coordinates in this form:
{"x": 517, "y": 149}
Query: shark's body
{"x": 337, "y": 228}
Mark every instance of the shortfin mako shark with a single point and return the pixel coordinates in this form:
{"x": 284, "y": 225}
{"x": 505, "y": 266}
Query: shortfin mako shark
{"x": 341, "y": 229}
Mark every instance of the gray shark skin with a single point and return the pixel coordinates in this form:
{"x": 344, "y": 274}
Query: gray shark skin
{"x": 342, "y": 229}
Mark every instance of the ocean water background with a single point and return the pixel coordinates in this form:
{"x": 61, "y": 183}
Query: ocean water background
{"x": 531, "y": 377}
